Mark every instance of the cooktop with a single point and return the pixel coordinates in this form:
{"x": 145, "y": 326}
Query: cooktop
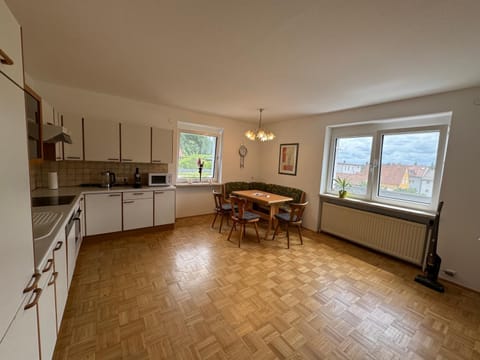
{"x": 52, "y": 200}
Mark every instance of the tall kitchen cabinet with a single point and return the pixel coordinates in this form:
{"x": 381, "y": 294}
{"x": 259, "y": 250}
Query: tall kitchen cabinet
{"x": 102, "y": 140}
{"x": 18, "y": 320}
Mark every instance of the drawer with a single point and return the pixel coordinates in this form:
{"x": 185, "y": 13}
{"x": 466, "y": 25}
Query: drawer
{"x": 137, "y": 195}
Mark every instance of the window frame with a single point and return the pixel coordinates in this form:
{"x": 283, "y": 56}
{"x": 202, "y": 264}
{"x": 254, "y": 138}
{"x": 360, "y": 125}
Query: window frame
{"x": 199, "y": 129}
{"x": 377, "y": 130}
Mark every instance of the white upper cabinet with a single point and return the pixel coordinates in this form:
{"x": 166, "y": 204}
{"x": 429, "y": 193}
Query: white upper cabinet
{"x": 11, "y": 63}
{"x": 135, "y": 143}
{"x": 102, "y": 140}
{"x": 73, "y": 123}
{"x": 162, "y": 146}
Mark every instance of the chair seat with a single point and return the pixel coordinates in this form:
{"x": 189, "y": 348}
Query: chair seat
{"x": 226, "y": 207}
{"x": 286, "y": 217}
{"x": 248, "y": 216}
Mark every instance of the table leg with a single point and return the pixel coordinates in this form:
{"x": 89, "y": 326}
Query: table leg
{"x": 271, "y": 219}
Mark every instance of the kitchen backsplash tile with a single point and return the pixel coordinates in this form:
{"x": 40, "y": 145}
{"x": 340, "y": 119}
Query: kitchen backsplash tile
{"x": 73, "y": 173}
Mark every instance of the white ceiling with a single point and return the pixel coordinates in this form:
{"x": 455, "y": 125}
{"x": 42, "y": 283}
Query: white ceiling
{"x": 230, "y": 57}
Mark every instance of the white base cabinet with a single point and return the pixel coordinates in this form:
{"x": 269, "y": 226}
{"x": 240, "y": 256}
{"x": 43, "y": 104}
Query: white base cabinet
{"x": 137, "y": 210}
{"x": 21, "y": 339}
{"x": 47, "y": 323}
{"x": 60, "y": 265}
{"x": 164, "y": 207}
{"x": 103, "y": 213}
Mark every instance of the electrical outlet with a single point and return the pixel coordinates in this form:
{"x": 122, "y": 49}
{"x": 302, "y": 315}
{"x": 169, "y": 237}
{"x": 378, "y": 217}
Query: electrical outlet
{"x": 450, "y": 272}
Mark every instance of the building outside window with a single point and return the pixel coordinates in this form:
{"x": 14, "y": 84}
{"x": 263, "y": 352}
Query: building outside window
{"x": 198, "y": 144}
{"x": 398, "y": 162}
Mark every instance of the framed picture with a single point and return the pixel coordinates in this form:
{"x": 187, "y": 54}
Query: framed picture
{"x": 287, "y": 161}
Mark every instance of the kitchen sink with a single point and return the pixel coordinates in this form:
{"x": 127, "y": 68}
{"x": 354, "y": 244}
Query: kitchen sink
{"x": 52, "y": 200}
{"x": 44, "y": 222}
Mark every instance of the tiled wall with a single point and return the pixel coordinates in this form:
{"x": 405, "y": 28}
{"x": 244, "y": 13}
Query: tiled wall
{"x": 72, "y": 173}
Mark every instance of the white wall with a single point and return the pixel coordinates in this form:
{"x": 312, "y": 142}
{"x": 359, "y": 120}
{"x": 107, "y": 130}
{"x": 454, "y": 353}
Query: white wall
{"x": 459, "y": 244}
{"x": 108, "y": 107}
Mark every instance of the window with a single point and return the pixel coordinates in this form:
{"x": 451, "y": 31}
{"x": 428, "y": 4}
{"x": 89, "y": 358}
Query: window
{"x": 198, "y": 144}
{"x": 396, "y": 162}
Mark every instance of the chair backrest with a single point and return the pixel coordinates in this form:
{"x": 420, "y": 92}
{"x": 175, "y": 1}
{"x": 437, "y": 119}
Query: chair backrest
{"x": 238, "y": 206}
{"x": 296, "y": 211}
{"x": 218, "y": 197}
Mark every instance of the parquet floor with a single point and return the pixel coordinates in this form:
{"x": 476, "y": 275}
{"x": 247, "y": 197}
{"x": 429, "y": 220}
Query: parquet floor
{"x": 189, "y": 294}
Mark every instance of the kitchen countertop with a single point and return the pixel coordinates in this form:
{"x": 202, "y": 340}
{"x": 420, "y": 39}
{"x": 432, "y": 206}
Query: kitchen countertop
{"x": 44, "y": 246}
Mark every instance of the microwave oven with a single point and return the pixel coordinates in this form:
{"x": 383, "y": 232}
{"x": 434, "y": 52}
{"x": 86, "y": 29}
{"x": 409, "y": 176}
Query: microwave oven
{"x": 159, "y": 179}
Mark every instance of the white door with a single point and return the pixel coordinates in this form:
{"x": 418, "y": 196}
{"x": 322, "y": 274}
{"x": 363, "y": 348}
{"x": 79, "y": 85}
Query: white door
{"x": 10, "y": 45}
{"x": 16, "y": 245}
{"x": 103, "y": 213}
{"x": 73, "y": 123}
{"x": 162, "y": 146}
{"x": 102, "y": 140}
{"x": 135, "y": 143}
{"x": 61, "y": 284}
{"x": 164, "y": 207}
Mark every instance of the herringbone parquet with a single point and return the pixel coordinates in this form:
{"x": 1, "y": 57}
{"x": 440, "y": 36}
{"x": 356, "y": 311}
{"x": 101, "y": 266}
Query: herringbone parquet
{"x": 190, "y": 294}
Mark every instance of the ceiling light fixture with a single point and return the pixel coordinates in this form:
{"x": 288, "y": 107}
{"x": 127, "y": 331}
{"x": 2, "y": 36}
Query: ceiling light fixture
{"x": 260, "y": 133}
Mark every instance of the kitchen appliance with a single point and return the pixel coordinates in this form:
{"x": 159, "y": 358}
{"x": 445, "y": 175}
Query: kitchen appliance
{"x": 74, "y": 239}
{"x": 108, "y": 179}
{"x": 138, "y": 180}
{"x": 54, "y": 133}
{"x": 159, "y": 179}
{"x": 52, "y": 200}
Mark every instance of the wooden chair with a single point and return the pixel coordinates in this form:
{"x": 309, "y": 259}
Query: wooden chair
{"x": 242, "y": 217}
{"x": 221, "y": 208}
{"x": 294, "y": 217}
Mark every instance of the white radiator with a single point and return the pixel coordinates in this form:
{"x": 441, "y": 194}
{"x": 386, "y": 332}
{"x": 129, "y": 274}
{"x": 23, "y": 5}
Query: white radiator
{"x": 400, "y": 238}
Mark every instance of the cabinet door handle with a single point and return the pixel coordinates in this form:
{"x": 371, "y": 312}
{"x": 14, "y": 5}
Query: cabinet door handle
{"x": 113, "y": 195}
{"x": 73, "y": 157}
{"x": 5, "y": 59}
{"x": 113, "y": 159}
{"x": 127, "y": 160}
{"x": 33, "y": 283}
{"x": 48, "y": 265}
{"x": 59, "y": 246}
{"x": 156, "y": 161}
{"x": 53, "y": 279}
{"x": 159, "y": 192}
{"x": 38, "y": 293}
{"x": 138, "y": 193}
{"x": 129, "y": 202}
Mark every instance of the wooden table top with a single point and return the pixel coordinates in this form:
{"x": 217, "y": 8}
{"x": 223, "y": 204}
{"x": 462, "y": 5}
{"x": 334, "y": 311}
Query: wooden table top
{"x": 262, "y": 196}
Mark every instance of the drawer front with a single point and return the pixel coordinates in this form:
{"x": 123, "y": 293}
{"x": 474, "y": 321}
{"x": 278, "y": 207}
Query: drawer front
{"x": 137, "y": 195}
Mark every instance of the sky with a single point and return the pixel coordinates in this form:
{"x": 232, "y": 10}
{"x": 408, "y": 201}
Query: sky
{"x": 405, "y": 149}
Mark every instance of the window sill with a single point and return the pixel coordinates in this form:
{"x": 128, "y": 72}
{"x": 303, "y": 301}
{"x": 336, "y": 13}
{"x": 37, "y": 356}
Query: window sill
{"x": 417, "y": 216}
{"x": 197, "y": 184}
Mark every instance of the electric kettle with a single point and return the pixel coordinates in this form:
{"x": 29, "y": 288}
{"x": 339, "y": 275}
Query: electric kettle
{"x": 108, "y": 178}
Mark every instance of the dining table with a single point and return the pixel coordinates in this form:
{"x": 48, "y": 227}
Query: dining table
{"x": 272, "y": 201}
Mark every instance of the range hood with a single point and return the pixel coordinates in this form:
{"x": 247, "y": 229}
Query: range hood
{"x": 55, "y": 133}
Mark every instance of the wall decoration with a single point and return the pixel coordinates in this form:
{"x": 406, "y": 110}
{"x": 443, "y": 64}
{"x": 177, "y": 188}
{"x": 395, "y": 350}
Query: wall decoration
{"x": 287, "y": 162}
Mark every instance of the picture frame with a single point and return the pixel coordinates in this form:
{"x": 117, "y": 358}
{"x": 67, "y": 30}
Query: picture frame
{"x": 287, "y": 159}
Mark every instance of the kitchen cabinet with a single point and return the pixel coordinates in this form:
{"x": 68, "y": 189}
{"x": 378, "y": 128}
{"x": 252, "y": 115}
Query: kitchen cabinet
{"x": 137, "y": 210}
{"x": 34, "y": 122}
{"x": 21, "y": 340}
{"x": 74, "y": 124}
{"x": 164, "y": 207}
{"x": 60, "y": 267}
{"x": 135, "y": 143}
{"x": 162, "y": 146}
{"x": 16, "y": 247}
{"x": 102, "y": 140}
{"x": 103, "y": 213}
{"x": 11, "y": 63}
{"x": 47, "y": 324}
